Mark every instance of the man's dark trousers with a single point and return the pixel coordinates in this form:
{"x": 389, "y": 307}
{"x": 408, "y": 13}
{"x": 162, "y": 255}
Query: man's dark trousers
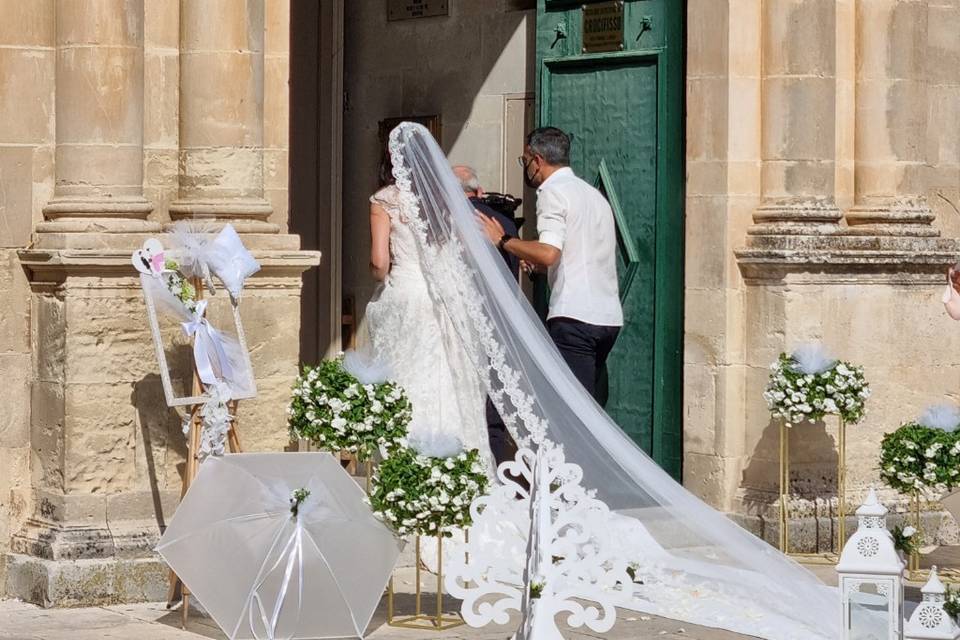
{"x": 585, "y": 348}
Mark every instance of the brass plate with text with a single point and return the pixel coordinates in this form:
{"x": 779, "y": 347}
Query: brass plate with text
{"x": 603, "y": 27}
{"x": 407, "y": 9}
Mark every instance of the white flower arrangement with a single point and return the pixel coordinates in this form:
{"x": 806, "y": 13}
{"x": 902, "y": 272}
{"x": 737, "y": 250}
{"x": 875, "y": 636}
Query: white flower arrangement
{"x": 905, "y": 539}
{"x": 806, "y": 386}
{"x": 179, "y": 286}
{"x": 923, "y": 457}
{"x": 336, "y": 412}
{"x": 416, "y": 494}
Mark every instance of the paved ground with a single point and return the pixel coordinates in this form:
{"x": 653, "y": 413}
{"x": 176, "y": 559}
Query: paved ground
{"x": 153, "y": 621}
{"x": 19, "y": 621}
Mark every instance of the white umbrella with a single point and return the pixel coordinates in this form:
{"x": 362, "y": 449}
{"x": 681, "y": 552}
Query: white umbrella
{"x": 264, "y": 570}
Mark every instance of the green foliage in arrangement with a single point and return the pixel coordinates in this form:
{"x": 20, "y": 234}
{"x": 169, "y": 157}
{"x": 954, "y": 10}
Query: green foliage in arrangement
{"x": 296, "y": 499}
{"x": 415, "y": 494}
{"x": 180, "y": 286}
{"x": 920, "y": 459}
{"x": 905, "y": 539}
{"x": 335, "y": 412}
{"x": 952, "y": 604}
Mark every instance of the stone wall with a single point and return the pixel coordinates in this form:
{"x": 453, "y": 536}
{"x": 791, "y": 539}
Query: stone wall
{"x": 118, "y": 117}
{"x": 462, "y": 67}
{"x": 821, "y": 205}
{"x": 26, "y": 184}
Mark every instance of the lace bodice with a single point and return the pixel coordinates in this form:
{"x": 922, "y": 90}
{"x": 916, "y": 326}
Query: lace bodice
{"x": 403, "y": 242}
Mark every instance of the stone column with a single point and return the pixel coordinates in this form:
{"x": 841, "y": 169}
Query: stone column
{"x": 221, "y": 114}
{"x": 852, "y": 287}
{"x": 891, "y": 109}
{"x": 27, "y": 62}
{"x": 99, "y": 125}
{"x": 106, "y": 453}
{"x": 807, "y": 116}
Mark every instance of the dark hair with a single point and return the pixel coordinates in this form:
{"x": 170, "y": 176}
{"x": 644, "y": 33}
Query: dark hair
{"x": 551, "y": 144}
{"x": 385, "y": 171}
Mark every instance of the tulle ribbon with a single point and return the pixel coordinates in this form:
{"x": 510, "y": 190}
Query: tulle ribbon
{"x": 207, "y": 345}
{"x": 193, "y": 240}
{"x": 944, "y": 416}
{"x": 812, "y": 358}
{"x": 293, "y": 554}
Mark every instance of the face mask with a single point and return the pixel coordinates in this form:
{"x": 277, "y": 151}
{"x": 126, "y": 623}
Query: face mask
{"x": 527, "y": 178}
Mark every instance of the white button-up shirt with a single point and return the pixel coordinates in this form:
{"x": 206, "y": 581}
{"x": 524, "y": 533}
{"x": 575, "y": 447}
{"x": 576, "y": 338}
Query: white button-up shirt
{"x": 575, "y": 218}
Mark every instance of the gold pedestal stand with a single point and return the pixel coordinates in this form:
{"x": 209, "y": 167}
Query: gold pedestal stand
{"x": 435, "y": 621}
{"x": 947, "y": 574}
{"x": 914, "y": 572}
{"x": 816, "y": 558}
{"x": 913, "y": 562}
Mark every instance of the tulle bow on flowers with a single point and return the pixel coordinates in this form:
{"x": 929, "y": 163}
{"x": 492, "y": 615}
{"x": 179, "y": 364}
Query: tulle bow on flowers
{"x": 436, "y": 444}
{"x": 944, "y": 416}
{"x": 812, "y": 358}
{"x": 365, "y": 367}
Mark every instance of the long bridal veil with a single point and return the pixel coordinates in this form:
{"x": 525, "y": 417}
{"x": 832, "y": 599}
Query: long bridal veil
{"x": 694, "y": 563}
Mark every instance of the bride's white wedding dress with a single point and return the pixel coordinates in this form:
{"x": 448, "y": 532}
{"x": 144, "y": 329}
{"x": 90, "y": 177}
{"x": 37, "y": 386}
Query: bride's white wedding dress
{"x": 414, "y": 339}
{"x": 455, "y": 327}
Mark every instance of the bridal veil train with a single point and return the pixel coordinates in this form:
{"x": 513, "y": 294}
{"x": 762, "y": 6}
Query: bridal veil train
{"x": 694, "y": 563}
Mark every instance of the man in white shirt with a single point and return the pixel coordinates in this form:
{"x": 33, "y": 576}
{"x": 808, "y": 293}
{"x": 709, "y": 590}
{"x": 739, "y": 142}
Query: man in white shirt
{"x": 577, "y": 246}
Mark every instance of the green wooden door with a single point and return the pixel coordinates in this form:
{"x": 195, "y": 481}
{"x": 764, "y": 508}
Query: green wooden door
{"x": 625, "y": 111}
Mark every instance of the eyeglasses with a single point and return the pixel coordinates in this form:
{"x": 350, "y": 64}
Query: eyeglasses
{"x": 524, "y": 165}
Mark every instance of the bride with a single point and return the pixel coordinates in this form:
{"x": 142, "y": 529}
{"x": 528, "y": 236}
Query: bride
{"x": 414, "y": 339}
{"x": 454, "y": 327}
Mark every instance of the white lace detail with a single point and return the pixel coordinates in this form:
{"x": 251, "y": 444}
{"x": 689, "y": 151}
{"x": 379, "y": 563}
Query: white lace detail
{"x": 446, "y": 261}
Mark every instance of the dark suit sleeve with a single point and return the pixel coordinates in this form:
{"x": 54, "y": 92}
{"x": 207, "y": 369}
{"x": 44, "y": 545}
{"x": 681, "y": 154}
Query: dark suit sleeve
{"x": 513, "y": 262}
{"x": 509, "y": 227}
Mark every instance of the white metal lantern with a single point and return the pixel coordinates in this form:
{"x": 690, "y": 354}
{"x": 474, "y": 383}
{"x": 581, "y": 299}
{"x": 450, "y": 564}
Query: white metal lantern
{"x": 871, "y": 578}
{"x": 929, "y": 620}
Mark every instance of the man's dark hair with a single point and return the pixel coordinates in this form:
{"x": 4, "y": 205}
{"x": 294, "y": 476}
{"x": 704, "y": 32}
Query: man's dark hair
{"x": 551, "y": 144}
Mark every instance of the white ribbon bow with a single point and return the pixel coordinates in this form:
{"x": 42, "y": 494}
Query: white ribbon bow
{"x": 207, "y": 344}
{"x": 293, "y": 553}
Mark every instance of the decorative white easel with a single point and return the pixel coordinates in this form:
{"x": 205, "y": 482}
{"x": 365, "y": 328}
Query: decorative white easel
{"x": 193, "y": 466}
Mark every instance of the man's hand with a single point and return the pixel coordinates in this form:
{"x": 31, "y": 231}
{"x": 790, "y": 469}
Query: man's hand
{"x": 491, "y": 227}
{"x": 529, "y": 268}
{"x": 534, "y": 252}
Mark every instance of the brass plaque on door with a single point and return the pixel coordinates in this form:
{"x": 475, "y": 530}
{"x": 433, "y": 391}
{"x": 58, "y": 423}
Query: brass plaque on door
{"x": 603, "y": 26}
{"x": 407, "y": 9}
